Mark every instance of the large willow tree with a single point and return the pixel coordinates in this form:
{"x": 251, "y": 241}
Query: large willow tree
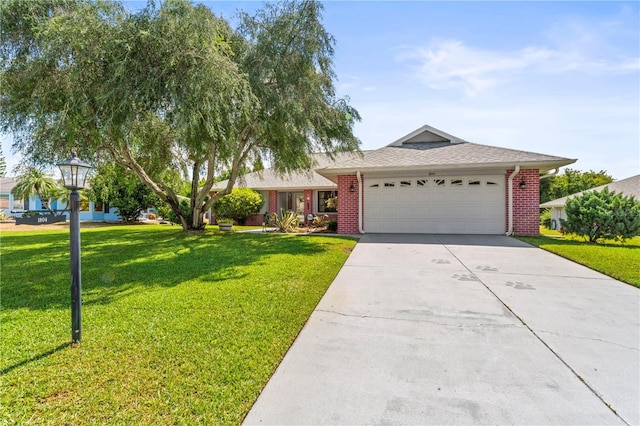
{"x": 171, "y": 89}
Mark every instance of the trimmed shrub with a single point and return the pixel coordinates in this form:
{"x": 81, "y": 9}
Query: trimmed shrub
{"x": 239, "y": 204}
{"x": 602, "y": 215}
{"x": 332, "y": 225}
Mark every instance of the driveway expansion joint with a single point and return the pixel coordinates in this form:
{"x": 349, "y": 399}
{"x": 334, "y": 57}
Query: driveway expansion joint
{"x": 513, "y": 324}
{"x": 556, "y": 354}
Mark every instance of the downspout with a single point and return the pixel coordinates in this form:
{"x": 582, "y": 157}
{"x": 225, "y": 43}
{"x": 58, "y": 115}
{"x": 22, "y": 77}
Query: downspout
{"x": 359, "y": 178}
{"x": 510, "y": 203}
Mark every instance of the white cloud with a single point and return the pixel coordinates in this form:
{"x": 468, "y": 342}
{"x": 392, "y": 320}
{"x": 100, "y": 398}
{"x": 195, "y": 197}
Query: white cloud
{"x": 451, "y": 64}
{"x": 350, "y": 83}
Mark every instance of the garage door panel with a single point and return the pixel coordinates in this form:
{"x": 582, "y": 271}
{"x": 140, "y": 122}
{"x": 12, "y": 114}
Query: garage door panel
{"x": 450, "y": 204}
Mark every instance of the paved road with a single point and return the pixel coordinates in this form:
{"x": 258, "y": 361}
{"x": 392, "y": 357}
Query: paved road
{"x": 426, "y": 329}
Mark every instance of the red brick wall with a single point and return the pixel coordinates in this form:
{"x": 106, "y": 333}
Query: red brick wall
{"x": 347, "y": 205}
{"x": 526, "y": 202}
{"x": 255, "y": 220}
{"x": 273, "y": 202}
{"x": 308, "y": 203}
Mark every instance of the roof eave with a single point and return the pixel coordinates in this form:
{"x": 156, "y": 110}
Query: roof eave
{"x": 543, "y": 166}
{"x": 283, "y": 188}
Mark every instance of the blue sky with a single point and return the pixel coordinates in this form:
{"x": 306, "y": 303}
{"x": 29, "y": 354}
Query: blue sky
{"x": 560, "y": 78}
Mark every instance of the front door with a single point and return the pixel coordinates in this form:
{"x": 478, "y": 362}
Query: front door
{"x": 292, "y": 202}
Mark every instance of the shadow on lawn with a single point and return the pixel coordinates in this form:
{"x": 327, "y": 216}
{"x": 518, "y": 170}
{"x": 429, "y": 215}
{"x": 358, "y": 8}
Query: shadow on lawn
{"x": 561, "y": 241}
{"x": 116, "y": 261}
{"x": 33, "y": 358}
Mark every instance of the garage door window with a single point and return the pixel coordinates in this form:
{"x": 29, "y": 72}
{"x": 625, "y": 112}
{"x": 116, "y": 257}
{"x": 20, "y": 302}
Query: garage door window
{"x": 405, "y": 183}
{"x": 438, "y": 182}
{"x": 389, "y": 184}
{"x": 474, "y": 183}
{"x": 456, "y": 182}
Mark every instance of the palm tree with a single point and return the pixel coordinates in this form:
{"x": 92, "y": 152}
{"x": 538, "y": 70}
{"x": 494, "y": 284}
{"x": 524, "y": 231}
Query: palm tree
{"x": 34, "y": 181}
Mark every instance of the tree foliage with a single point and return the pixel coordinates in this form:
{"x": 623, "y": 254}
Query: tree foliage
{"x": 570, "y": 182}
{"x": 3, "y": 164}
{"x": 33, "y": 181}
{"x": 112, "y": 184}
{"x": 239, "y": 204}
{"x": 603, "y": 214}
{"x": 171, "y": 90}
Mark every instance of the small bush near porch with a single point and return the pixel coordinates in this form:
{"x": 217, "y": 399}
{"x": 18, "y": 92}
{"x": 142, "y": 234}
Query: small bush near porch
{"x": 177, "y": 328}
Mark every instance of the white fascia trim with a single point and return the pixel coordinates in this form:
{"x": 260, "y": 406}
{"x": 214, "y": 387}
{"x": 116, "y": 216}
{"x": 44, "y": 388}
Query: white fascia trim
{"x": 553, "y": 173}
{"x": 329, "y": 173}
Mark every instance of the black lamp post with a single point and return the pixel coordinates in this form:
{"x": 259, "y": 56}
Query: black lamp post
{"x": 74, "y": 173}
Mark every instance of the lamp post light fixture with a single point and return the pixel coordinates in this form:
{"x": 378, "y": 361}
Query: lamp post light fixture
{"x": 74, "y": 173}
{"x": 523, "y": 184}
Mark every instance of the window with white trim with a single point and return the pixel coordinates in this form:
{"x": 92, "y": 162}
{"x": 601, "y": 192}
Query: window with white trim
{"x": 327, "y": 201}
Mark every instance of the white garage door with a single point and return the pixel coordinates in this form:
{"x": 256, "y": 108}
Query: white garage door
{"x": 435, "y": 205}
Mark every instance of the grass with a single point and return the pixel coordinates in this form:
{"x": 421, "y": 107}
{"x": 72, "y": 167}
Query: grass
{"x": 177, "y": 328}
{"x": 615, "y": 259}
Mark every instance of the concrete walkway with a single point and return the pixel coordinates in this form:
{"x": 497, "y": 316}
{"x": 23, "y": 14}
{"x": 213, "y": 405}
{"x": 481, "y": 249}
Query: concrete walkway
{"x": 436, "y": 329}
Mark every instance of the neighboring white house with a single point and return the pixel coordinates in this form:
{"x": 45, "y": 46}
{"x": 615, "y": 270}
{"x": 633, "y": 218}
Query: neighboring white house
{"x": 628, "y": 186}
{"x": 9, "y": 204}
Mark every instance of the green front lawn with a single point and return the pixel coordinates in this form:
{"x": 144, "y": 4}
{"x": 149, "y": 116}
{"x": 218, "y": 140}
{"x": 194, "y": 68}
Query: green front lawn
{"x": 177, "y": 328}
{"x": 612, "y": 258}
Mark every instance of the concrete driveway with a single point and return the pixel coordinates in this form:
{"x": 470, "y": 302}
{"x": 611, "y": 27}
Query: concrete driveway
{"x": 450, "y": 329}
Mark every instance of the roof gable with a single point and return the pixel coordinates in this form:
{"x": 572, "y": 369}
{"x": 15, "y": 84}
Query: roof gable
{"x": 426, "y": 134}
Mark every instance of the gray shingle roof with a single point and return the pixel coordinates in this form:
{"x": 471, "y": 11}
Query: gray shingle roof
{"x": 424, "y": 148}
{"x": 444, "y": 155}
{"x": 628, "y": 186}
{"x": 269, "y": 179}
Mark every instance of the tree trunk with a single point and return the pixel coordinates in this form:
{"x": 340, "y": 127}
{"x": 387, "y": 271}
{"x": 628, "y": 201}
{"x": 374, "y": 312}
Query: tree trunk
{"x": 197, "y": 219}
{"x": 45, "y": 203}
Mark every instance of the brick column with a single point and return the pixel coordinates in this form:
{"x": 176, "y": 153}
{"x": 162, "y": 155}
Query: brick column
{"x": 347, "y": 205}
{"x": 308, "y": 202}
{"x": 273, "y": 202}
{"x": 526, "y": 202}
